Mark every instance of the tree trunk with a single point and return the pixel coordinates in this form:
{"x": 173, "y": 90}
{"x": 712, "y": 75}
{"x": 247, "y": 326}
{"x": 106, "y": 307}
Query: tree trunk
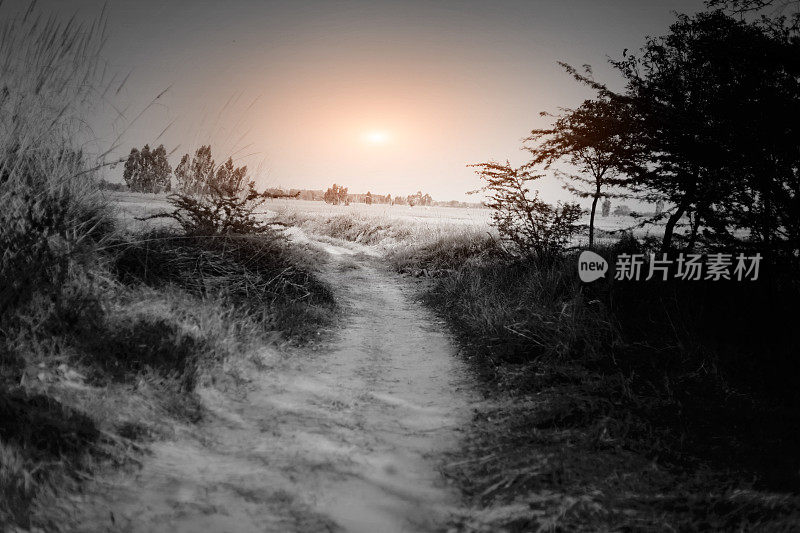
{"x": 693, "y": 236}
{"x": 669, "y": 229}
{"x": 673, "y": 219}
{"x": 591, "y": 217}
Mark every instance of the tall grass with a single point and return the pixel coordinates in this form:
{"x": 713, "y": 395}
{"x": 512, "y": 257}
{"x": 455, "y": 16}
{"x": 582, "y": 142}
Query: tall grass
{"x": 260, "y": 277}
{"x": 53, "y": 216}
{"x": 52, "y": 221}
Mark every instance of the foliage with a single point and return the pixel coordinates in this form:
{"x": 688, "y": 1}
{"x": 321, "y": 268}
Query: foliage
{"x": 193, "y": 175}
{"x": 53, "y": 221}
{"x": 624, "y": 387}
{"x": 336, "y": 195}
{"x": 715, "y": 106}
{"x": 532, "y": 226}
{"x": 419, "y": 199}
{"x": 222, "y": 200}
{"x": 593, "y": 140}
{"x": 148, "y": 170}
{"x": 782, "y": 11}
{"x": 606, "y": 210}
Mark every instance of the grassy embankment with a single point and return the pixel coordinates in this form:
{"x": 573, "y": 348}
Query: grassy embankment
{"x": 638, "y": 405}
{"x": 105, "y": 336}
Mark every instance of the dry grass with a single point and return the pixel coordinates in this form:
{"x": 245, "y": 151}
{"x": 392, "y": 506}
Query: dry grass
{"x": 261, "y": 278}
{"x": 52, "y": 222}
{"x": 381, "y": 230}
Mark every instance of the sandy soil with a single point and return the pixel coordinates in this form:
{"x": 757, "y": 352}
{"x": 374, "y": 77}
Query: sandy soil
{"x": 347, "y": 438}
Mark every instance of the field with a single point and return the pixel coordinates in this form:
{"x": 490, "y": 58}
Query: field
{"x": 426, "y": 220}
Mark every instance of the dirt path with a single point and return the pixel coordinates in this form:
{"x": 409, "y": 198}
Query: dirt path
{"x": 347, "y": 438}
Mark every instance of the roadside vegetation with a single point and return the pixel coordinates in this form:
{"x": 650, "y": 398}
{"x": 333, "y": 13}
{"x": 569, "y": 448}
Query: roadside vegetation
{"x": 623, "y": 404}
{"x": 629, "y": 404}
{"x": 105, "y": 336}
{"x": 618, "y": 405}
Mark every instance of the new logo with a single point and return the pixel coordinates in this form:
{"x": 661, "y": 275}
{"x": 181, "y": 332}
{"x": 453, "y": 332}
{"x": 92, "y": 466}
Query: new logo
{"x": 591, "y": 266}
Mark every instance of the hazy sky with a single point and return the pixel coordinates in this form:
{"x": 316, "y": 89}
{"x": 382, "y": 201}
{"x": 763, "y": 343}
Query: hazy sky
{"x": 391, "y": 97}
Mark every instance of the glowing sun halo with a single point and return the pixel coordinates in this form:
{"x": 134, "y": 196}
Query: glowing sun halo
{"x": 376, "y": 137}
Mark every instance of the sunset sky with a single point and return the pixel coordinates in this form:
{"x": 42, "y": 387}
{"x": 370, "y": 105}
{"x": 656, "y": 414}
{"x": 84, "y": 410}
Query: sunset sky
{"x": 391, "y": 97}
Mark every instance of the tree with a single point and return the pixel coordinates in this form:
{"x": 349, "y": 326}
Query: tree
{"x": 217, "y": 201}
{"x": 787, "y": 11}
{"x": 336, "y": 195}
{"x": 716, "y": 104}
{"x": 593, "y": 140}
{"x": 622, "y": 211}
{"x": 147, "y": 170}
{"x": 194, "y": 174}
{"x": 229, "y": 178}
{"x": 606, "y": 207}
{"x": 368, "y": 198}
{"x": 532, "y": 226}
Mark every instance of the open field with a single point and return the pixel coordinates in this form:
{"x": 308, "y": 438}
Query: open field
{"x": 426, "y": 220}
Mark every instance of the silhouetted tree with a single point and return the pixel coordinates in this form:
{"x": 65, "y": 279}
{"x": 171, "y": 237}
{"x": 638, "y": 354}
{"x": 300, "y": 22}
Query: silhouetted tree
{"x": 593, "y": 140}
{"x": 716, "y": 108}
{"x": 782, "y": 11}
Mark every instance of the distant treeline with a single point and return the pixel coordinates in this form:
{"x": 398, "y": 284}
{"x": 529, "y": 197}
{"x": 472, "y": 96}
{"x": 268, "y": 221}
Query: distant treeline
{"x": 370, "y": 198}
{"x": 318, "y": 195}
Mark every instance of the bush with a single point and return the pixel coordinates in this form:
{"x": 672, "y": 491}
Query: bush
{"x": 216, "y": 200}
{"x": 531, "y": 226}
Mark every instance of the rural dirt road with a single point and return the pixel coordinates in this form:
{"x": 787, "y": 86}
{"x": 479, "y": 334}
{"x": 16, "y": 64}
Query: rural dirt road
{"x": 346, "y": 438}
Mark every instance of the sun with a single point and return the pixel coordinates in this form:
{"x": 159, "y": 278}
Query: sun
{"x": 376, "y": 137}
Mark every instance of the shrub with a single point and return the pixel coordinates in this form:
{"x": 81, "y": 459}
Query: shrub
{"x": 216, "y": 200}
{"x": 525, "y": 311}
{"x": 531, "y": 226}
